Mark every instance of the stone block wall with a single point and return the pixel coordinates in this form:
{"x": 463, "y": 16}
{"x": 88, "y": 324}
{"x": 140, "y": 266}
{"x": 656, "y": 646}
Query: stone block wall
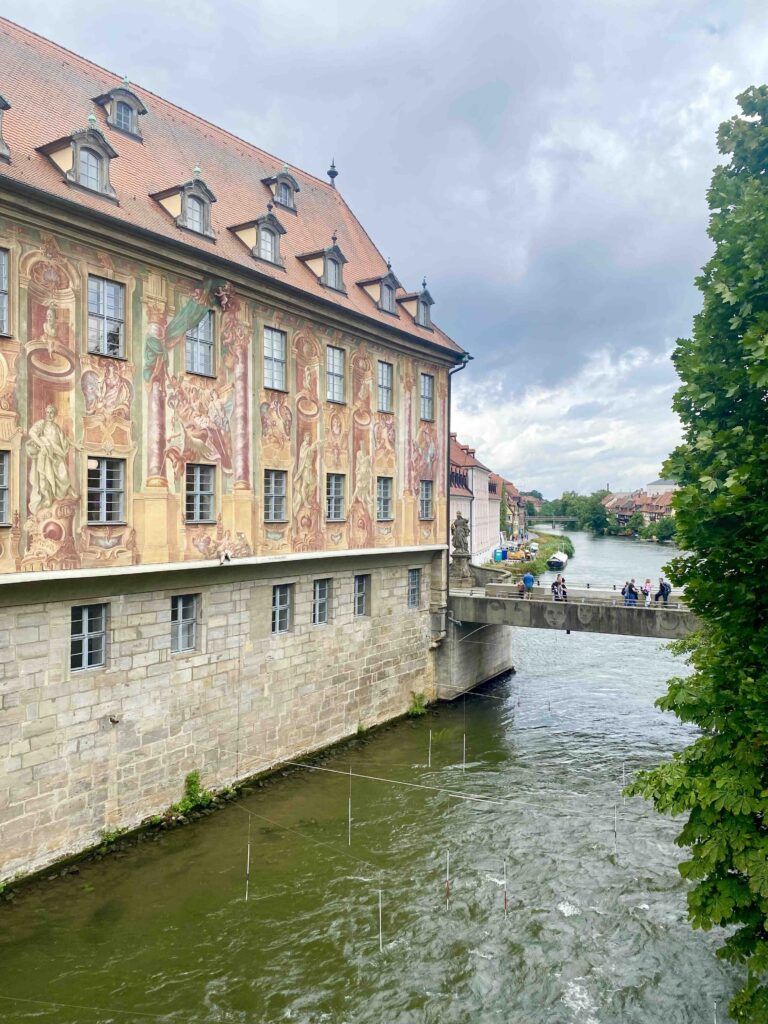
{"x": 86, "y": 751}
{"x": 471, "y": 654}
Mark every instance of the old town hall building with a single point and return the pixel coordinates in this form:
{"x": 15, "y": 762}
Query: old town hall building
{"x": 223, "y": 459}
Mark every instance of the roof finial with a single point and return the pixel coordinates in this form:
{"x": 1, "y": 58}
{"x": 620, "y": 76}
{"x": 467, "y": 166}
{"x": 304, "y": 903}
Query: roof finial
{"x": 424, "y": 283}
{"x": 332, "y": 172}
{"x": 389, "y": 263}
{"x": 92, "y": 122}
{"x": 270, "y": 207}
{"x": 333, "y": 236}
{"x": 196, "y": 171}
{"x": 285, "y": 168}
{"x": 126, "y": 83}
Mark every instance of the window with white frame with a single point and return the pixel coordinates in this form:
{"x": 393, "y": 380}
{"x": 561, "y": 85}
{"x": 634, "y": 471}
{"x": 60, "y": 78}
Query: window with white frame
{"x": 199, "y": 346}
{"x": 321, "y": 599}
{"x": 425, "y": 500}
{"x": 281, "y": 607}
{"x": 333, "y": 276}
{"x": 334, "y": 373}
{"x": 184, "y": 614}
{"x": 274, "y": 359}
{"x": 334, "y": 497}
{"x": 200, "y": 493}
{"x": 5, "y": 488}
{"x": 362, "y": 593}
{"x": 125, "y": 117}
{"x": 275, "y": 483}
{"x": 195, "y": 214}
{"x": 106, "y": 490}
{"x": 268, "y": 245}
{"x": 414, "y": 588}
{"x": 5, "y": 322}
{"x": 427, "y": 394}
{"x": 88, "y": 637}
{"x": 89, "y": 169}
{"x": 385, "y": 377}
{"x": 383, "y": 497}
{"x": 106, "y": 317}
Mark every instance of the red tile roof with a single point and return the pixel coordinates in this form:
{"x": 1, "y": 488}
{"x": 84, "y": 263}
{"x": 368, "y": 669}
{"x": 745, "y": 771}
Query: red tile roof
{"x": 463, "y": 455}
{"x": 51, "y": 92}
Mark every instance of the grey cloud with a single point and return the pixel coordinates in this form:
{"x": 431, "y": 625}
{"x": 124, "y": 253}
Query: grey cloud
{"x": 545, "y": 166}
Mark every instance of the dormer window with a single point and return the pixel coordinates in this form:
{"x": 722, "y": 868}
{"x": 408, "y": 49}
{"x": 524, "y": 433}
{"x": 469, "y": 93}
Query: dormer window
{"x": 89, "y": 169}
{"x": 123, "y": 109}
{"x": 383, "y": 290}
{"x": 124, "y": 116}
{"x": 195, "y": 219}
{"x": 84, "y": 158}
{"x": 284, "y": 188}
{"x": 419, "y": 304}
{"x": 327, "y": 265}
{"x": 268, "y": 245}
{"x": 333, "y": 273}
{"x": 262, "y": 236}
{"x": 190, "y": 205}
{"x": 5, "y": 153}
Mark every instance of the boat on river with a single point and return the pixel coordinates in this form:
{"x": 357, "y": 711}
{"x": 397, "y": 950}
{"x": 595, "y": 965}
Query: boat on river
{"x": 557, "y": 561}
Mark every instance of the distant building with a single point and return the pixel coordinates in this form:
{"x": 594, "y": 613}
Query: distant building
{"x": 477, "y": 497}
{"x": 651, "y": 506}
{"x": 661, "y": 486}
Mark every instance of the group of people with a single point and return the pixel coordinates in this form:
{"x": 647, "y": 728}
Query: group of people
{"x": 558, "y": 588}
{"x": 631, "y": 592}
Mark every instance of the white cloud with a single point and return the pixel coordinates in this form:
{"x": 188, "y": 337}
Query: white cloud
{"x": 611, "y": 423}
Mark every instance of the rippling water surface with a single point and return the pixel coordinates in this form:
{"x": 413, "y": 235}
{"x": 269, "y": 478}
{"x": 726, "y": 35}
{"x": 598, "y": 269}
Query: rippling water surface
{"x": 595, "y": 930}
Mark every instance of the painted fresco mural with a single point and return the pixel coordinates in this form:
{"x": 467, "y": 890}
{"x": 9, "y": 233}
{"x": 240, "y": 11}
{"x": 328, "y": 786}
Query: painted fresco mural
{"x": 60, "y": 405}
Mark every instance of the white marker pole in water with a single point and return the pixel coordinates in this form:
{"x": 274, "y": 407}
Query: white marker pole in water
{"x": 464, "y": 754}
{"x": 624, "y": 779}
{"x": 615, "y": 832}
{"x": 248, "y": 862}
{"x": 447, "y": 877}
{"x": 349, "y": 825}
{"x": 505, "y": 888}
{"x": 381, "y": 937}
{"x": 429, "y": 755}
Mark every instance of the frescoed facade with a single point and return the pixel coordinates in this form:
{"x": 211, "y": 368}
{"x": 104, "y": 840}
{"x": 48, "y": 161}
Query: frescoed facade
{"x": 223, "y": 459}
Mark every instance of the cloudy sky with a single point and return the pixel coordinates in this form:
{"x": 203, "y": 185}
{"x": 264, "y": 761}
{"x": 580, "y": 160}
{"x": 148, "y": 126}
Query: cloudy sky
{"x": 544, "y": 164}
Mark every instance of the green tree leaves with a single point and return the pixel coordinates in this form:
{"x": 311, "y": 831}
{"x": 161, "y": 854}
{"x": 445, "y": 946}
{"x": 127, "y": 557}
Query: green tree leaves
{"x": 720, "y": 782}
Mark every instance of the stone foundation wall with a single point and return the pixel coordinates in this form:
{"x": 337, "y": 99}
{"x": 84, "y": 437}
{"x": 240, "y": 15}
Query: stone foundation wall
{"x": 86, "y": 751}
{"x": 470, "y": 655}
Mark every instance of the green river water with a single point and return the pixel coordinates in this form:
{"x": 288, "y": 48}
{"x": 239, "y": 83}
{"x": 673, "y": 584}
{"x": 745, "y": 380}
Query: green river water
{"x": 595, "y": 930}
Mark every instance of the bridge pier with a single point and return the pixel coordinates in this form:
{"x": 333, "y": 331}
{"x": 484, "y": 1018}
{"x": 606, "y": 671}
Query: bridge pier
{"x": 471, "y": 654}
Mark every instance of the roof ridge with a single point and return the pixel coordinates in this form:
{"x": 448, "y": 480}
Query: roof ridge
{"x": 224, "y": 131}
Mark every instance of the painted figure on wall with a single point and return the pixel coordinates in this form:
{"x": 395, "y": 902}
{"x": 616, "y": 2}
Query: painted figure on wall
{"x": 276, "y": 420}
{"x": 48, "y": 450}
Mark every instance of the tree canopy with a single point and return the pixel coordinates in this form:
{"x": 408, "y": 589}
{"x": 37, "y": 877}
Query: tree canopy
{"x": 720, "y": 781}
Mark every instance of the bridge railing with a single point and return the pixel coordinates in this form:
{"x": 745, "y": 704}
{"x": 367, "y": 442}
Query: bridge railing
{"x": 587, "y": 594}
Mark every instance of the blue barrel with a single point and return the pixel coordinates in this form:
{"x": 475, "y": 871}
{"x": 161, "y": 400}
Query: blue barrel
{"x": 504, "y": 554}
{"x": 497, "y": 553}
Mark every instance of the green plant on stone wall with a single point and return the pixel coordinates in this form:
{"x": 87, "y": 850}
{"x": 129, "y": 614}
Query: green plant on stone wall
{"x": 418, "y": 705}
{"x": 194, "y": 795}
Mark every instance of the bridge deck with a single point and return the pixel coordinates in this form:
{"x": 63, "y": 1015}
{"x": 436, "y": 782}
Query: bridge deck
{"x": 585, "y": 611}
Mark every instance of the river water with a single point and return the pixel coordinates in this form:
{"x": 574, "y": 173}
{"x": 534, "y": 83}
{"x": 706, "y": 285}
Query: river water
{"x": 595, "y": 930}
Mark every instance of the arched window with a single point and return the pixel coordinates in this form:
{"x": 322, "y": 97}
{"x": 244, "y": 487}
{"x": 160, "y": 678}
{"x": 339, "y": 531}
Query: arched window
{"x": 267, "y": 245}
{"x": 388, "y": 298}
{"x": 195, "y": 214}
{"x": 89, "y": 169}
{"x": 124, "y": 116}
{"x": 333, "y": 273}
{"x": 284, "y": 194}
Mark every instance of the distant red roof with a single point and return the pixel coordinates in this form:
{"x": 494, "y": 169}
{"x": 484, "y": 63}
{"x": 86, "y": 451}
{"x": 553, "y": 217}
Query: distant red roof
{"x": 51, "y": 93}
{"x": 463, "y": 455}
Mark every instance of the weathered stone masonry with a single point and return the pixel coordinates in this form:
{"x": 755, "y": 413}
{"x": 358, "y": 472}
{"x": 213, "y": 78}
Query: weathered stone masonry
{"x": 96, "y": 750}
